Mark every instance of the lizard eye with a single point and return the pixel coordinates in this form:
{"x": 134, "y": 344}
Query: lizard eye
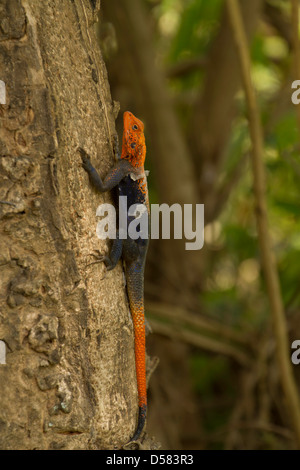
{"x": 133, "y": 145}
{"x": 135, "y": 127}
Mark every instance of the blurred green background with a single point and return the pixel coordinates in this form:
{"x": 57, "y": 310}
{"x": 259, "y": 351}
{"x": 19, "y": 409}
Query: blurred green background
{"x": 173, "y": 63}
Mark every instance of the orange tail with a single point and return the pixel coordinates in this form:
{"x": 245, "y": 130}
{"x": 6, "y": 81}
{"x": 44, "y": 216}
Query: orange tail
{"x": 136, "y": 301}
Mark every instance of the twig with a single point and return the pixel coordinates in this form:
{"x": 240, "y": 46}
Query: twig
{"x": 194, "y": 322}
{"x": 198, "y": 332}
{"x": 223, "y": 193}
{"x": 275, "y": 16}
{"x": 185, "y": 67}
{"x": 269, "y": 266}
{"x": 257, "y": 425}
{"x": 201, "y": 341}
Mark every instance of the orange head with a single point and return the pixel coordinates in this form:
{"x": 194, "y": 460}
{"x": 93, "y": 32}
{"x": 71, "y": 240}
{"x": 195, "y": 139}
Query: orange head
{"x": 133, "y": 146}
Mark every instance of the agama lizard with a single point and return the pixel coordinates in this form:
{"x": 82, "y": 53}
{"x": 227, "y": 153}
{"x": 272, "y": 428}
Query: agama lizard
{"x": 129, "y": 177}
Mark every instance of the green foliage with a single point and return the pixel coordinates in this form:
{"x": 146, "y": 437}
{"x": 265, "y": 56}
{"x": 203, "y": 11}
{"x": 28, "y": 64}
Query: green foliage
{"x": 198, "y": 22}
{"x": 212, "y": 380}
{"x": 289, "y": 273}
{"x": 214, "y": 372}
{"x": 234, "y": 288}
{"x": 286, "y": 133}
{"x": 240, "y": 242}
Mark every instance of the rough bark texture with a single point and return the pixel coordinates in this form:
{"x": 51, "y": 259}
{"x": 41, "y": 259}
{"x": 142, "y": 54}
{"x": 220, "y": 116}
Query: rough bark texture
{"x": 69, "y": 378}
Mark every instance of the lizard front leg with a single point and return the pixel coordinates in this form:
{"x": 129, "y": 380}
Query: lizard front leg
{"x": 113, "y": 177}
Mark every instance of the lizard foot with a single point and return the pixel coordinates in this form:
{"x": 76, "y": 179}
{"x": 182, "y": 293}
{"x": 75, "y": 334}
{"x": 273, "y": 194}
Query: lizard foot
{"x": 101, "y": 259}
{"x": 85, "y": 159}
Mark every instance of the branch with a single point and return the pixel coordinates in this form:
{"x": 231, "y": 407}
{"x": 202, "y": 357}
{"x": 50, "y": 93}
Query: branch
{"x": 185, "y": 67}
{"x": 256, "y": 425}
{"x": 179, "y": 324}
{"x": 222, "y": 194}
{"x": 275, "y": 17}
{"x": 270, "y": 269}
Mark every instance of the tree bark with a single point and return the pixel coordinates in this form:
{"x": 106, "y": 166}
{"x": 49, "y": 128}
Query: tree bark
{"x": 69, "y": 378}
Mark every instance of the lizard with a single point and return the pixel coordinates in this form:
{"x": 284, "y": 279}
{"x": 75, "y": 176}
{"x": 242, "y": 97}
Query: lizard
{"x": 129, "y": 178}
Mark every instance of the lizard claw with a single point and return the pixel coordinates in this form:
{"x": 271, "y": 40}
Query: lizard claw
{"x": 104, "y": 274}
{"x": 85, "y": 158}
{"x": 101, "y": 259}
{"x": 82, "y": 152}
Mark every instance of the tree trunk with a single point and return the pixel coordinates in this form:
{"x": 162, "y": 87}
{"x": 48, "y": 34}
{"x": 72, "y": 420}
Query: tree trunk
{"x": 69, "y": 377}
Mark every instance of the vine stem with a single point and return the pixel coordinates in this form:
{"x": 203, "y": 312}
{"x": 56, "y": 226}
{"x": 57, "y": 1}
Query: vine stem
{"x": 267, "y": 255}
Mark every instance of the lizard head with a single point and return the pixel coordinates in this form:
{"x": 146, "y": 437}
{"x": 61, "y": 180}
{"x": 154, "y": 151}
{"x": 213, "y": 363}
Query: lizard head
{"x": 133, "y": 147}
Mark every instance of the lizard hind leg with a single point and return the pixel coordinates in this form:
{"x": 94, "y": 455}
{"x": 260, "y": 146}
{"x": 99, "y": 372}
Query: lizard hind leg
{"x": 114, "y": 256}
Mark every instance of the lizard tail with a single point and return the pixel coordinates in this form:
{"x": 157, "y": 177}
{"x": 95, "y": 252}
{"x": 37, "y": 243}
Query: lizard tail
{"x": 141, "y": 422}
{"x": 136, "y": 301}
{"x": 140, "y": 364}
